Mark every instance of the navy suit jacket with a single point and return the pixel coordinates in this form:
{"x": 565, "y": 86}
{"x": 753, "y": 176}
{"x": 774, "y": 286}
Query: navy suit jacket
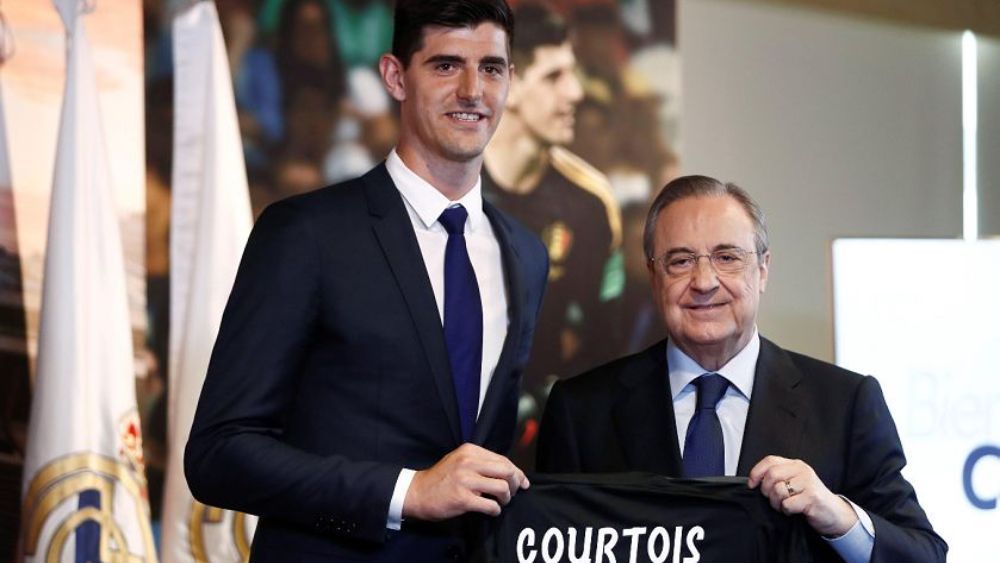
{"x": 330, "y": 374}
{"x": 620, "y": 417}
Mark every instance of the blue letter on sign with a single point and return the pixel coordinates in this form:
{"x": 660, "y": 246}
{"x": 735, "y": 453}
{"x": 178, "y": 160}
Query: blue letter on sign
{"x": 970, "y": 464}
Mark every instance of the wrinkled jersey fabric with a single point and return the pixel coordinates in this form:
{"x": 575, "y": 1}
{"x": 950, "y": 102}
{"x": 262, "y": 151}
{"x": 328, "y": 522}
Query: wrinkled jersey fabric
{"x": 642, "y": 518}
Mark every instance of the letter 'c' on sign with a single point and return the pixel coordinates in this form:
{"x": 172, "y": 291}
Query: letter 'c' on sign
{"x": 970, "y": 464}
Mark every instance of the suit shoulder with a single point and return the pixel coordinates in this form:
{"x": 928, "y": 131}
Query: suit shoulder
{"x": 329, "y": 206}
{"x": 603, "y": 379}
{"x": 827, "y": 379}
{"x": 809, "y": 365}
{"x": 321, "y": 198}
{"x": 591, "y": 180}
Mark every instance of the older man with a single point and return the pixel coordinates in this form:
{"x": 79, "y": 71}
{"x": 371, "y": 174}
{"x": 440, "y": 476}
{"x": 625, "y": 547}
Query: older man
{"x": 715, "y": 398}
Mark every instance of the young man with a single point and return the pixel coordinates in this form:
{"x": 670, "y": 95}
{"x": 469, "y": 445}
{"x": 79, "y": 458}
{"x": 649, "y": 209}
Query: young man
{"x": 367, "y": 369}
{"x": 562, "y": 199}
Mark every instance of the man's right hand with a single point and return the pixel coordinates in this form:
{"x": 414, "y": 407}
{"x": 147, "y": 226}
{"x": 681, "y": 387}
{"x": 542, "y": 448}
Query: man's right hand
{"x": 468, "y": 479}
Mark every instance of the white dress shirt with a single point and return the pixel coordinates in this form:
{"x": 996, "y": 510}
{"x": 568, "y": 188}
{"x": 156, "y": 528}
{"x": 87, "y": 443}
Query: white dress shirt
{"x": 856, "y": 545}
{"x": 424, "y": 204}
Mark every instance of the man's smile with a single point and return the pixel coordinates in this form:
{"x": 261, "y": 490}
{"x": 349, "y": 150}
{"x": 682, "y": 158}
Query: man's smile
{"x": 467, "y": 117}
{"x": 705, "y": 307}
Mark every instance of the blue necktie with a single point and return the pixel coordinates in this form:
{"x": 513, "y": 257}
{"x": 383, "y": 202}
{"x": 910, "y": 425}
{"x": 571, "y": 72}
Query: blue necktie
{"x": 463, "y": 319}
{"x": 704, "y": 450}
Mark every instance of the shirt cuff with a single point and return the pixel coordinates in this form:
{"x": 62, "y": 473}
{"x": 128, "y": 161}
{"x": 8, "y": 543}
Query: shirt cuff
{"x": 856, "y": 545}
{"x": 395, "y": 519}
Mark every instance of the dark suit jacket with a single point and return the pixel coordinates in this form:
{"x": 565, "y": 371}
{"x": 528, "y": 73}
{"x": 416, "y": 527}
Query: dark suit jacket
{"x": 330, "y": 374}
{"x": 620, "y": 417}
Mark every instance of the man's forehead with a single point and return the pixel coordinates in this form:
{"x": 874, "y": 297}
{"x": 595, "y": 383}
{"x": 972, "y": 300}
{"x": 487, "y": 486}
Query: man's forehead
{"x": 484, "y": 40}
{"x": 546, "y": 57}
{"x": 716, "y": 220}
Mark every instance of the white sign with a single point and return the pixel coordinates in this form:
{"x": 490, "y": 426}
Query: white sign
{"x": 923, "y": 317}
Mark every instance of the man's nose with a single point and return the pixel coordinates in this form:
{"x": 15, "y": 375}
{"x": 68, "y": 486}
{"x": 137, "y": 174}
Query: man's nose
{"x": 470, "y": 85}
{"x": 573, "y": 88}
{"x": 704, "y": 277}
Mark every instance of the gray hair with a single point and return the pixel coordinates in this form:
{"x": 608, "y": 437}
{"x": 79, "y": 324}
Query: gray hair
{"x": 703, "y": 186}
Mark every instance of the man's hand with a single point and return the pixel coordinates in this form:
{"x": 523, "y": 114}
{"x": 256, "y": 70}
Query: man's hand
{"x": 794, "y": 488}
{"x": 469, "y": 479}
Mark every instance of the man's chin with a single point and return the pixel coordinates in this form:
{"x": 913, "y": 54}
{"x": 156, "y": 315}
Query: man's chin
{"x": 708, "y": 336}
{"x": 465, "y": 153}
{"x": 558, "y": 138}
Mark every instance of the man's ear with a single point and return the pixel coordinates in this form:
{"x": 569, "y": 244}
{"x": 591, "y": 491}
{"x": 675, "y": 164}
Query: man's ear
{"x": 393, "y": 76}
{"x": 651, "y": 270}
{"x": 765, "y": 265}
{"x": 514, "y": 92}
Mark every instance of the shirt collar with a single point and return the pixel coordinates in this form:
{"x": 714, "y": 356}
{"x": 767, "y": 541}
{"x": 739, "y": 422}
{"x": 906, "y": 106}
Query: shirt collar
{"x": 739, "y": 371}
{"x": 427, "y": 201}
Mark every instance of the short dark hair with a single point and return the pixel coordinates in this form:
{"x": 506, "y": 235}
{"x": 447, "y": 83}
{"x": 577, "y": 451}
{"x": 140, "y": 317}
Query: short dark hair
{"x": 413, "y": 16}
{"x": 539, "y": 27}
{"x": 704, "y": 186}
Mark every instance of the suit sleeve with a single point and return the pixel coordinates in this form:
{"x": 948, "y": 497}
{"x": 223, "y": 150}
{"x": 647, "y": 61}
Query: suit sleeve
{"x": 557, "y": 442}
{"x": 875, "y": 482}
{"x": 235, "y": 456}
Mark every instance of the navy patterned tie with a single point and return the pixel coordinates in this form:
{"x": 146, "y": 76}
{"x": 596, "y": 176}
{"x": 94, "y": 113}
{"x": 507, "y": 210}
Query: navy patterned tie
{"x": 704, "y": 450}
{"x": 463, "y": 319}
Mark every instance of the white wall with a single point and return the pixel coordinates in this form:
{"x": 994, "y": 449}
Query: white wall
{"x": 946, "y": 405}
{"x": 839, "y": 126}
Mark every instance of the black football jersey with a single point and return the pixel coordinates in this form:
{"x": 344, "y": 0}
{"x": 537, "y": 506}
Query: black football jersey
{"x": 642, "y": 518}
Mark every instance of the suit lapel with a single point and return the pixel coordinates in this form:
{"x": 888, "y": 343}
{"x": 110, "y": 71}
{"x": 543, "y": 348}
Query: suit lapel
{"x": 394, "y": 232}
{"x": 775, "y": 420}
{"x": 502, "y": 380}
{"x": 644, "y": 415}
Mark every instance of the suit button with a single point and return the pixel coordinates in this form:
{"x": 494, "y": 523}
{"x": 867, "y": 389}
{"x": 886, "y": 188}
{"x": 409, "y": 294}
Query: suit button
{"x": 454, "y": 552}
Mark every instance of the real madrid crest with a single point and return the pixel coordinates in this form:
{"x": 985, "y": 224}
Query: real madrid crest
{"x": 89, "y": 494}
{"x": 209, "y": 526}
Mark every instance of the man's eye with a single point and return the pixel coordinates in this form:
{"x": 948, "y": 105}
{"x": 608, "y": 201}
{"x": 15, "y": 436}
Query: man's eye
{"x": 445, "y": 67}
{"x": 680, "y": 262}
{"x": 493, "y": 69}
{"x": 726, "y": 257}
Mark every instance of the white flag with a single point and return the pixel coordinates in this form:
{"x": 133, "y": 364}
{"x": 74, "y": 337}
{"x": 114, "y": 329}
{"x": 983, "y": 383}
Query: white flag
{"x": 210, "y": 223}
{"x": 84, "y": 494}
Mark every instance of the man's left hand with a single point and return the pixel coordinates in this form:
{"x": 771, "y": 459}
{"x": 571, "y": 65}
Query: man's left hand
{"x": 794, "y": 488}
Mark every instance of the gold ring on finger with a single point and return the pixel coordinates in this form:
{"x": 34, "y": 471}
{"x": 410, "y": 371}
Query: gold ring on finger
{"x": 791, "y": 490}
